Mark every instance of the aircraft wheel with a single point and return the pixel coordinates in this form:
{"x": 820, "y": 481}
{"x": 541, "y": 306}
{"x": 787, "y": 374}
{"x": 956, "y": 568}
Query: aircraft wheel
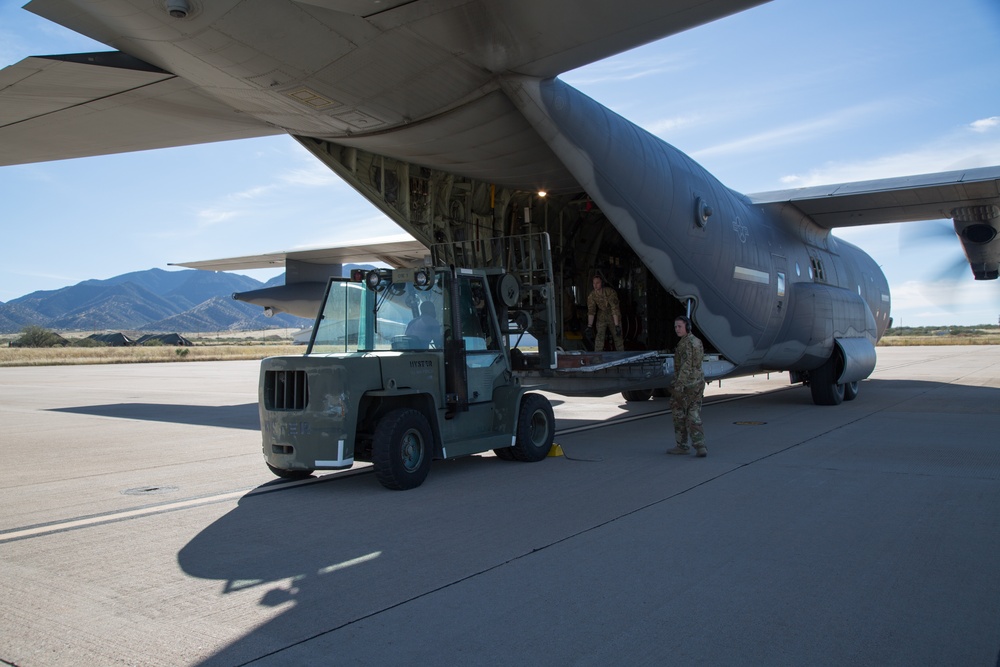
{"x": 402, "y": 449}
{"x": 637, "y": 395}
{"x": 823, "y": 384}
{"x": 289, "y": 474}
{"x": 536, "y": 427}
{"x": 850, "y": 391}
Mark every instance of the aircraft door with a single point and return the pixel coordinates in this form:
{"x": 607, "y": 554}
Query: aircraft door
{"x": 778, "y": 298}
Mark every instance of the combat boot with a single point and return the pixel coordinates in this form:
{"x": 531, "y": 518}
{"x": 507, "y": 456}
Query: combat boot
{"x": 701, "y": 452}
{"x": 679, "y": 449}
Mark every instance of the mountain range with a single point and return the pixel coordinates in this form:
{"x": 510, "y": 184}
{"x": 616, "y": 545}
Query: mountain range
{"x": 152, "y": 300}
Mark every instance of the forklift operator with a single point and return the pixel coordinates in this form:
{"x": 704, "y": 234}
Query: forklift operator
{"x": 426, "y": 329}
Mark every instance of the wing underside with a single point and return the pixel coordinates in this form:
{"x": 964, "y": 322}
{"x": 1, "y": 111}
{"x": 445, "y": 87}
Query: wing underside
{"x": 970, "y": 198}
{"x": 905, "y": 199}
{"x": 59, "y": 107}
{"x": 339, "y": 70}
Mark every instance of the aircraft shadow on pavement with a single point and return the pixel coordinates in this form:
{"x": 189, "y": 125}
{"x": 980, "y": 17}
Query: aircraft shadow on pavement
{"x": 338, "y": 551}
{"x": 226, "y": 416}
{"x": 341, "y": 550}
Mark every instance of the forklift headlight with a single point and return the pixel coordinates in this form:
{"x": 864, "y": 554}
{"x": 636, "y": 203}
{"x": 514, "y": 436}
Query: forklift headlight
{"x": 422, "y": 278}
{"x": 373, "y": 279}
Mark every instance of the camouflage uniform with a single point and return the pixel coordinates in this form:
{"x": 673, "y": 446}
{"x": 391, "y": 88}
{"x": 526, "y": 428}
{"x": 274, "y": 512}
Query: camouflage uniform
{"x": 604, "y": 304}
{"x": 687, "y": 391}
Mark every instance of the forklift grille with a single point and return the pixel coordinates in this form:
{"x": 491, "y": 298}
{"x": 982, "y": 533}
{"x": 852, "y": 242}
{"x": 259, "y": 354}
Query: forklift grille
{"x": 286, "y": 390}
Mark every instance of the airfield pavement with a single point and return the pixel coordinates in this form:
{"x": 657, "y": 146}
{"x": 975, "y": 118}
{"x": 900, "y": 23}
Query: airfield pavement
{"x": 139, "y": 526}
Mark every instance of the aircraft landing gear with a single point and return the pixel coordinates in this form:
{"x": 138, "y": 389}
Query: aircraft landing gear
{"x": 823, "y": 383}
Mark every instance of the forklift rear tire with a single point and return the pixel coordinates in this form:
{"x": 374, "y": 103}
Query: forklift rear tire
{"x": 536, "y": 427}
{"x": 402, "y": 447}
{"x": 505, "y": 454}
{"x": 634, "y": 395}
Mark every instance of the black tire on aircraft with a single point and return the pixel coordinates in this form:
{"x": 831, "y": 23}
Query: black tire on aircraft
{"x": 823, "y": 384}
{"x": 661, "y": 392}
{"x": 536, "y": 427}
{"x": 402, "y": 447}
{"x": 289, "y": 474}
{"x": 637, "y": 395}
{"x": 851, "y": 391}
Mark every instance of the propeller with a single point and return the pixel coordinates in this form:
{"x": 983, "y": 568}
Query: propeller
{"x": 950, "y": 266}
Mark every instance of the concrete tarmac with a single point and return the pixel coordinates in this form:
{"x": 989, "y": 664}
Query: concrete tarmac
{"x": 139, "y": 526}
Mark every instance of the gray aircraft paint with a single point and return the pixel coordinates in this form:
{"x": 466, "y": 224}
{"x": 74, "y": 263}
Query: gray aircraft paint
{"x": 650, "y": 192}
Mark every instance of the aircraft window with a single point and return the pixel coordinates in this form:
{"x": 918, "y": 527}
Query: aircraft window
{"x": 798, "y": 271}
{"x": 781, "y": 283}
{"x": 859, "y": 290}
{"x": 816, "y": 269}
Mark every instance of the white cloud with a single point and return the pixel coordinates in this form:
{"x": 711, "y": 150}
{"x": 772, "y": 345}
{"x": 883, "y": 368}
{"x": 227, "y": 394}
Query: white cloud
{"x": 314, "y": 175}
{"x": 625, "y": 68}
{"x": 940, "y": 157}
{"x": 255, "y": 192}
{"x": 665, "y": 125}
{"x": 959, "y": 302}
{"x": 214, "y": 216}
{"x": 792, "y": 133}
{"x": 985, "y": 124}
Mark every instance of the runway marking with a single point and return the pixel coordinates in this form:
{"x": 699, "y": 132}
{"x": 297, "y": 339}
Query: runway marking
{"x": 123, "y": 515}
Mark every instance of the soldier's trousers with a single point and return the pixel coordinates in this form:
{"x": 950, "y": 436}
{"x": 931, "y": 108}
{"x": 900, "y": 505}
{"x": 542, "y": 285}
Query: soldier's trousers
{"x": 685, "y": 405}
{"x": 603, "y": 324}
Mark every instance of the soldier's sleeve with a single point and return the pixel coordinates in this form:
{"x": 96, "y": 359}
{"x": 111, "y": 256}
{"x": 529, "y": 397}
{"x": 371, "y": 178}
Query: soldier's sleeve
{"x": 679, "y": 362}
{"x": 592, "y": 304}
{"x": 613, "y": 303}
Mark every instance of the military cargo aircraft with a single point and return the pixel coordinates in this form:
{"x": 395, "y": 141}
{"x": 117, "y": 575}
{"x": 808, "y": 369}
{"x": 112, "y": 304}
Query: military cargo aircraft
{"x": 449, "y": 116}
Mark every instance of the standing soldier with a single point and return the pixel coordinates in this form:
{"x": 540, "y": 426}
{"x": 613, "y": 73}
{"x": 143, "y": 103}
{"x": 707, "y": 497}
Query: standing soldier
{"x": 687, "y": 390}
{"x": 603, "y": 303}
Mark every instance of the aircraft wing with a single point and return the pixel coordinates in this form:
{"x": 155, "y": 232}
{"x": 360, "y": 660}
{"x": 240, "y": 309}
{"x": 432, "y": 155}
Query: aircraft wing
{"x": 57, "y": 107}
{"x": 395, "y": 251}
{"x": 927, "y": 197}
{"x": 336, "y": 69}
{"x": 308, "y": 270}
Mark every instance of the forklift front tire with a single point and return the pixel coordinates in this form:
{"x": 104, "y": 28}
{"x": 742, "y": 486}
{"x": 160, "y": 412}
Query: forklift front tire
{"x": 536, "y": 427}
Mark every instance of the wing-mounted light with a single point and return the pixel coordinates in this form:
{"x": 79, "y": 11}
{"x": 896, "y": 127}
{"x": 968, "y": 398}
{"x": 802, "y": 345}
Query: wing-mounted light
{"x": 977, "y": 227}
{"x": 178, "y": 9}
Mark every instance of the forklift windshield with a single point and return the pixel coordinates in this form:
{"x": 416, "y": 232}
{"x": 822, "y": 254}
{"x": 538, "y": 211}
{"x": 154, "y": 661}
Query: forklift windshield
{"x": 393, "y": 313}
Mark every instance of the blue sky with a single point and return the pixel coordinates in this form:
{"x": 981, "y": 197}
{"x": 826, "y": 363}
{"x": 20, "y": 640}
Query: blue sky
{"x": 793, "y": 93}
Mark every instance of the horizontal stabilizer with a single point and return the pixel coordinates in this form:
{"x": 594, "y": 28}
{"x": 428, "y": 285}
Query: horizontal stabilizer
{"x": 396, "y": 251}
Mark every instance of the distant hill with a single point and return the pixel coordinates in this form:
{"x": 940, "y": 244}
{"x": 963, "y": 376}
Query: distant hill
{"x": 153, "y": 300}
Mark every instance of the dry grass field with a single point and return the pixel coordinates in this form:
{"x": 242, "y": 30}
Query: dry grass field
{"x": 985, "y": 339}
{"x": 259, "y": 344}
{"x": 213, "y": 346}
{"x": 61, "y": 356}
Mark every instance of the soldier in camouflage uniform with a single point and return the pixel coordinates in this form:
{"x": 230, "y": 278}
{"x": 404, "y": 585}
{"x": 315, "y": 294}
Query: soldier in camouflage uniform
{"x": 687, "y": 390}
{"x": 602, "y": 303}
